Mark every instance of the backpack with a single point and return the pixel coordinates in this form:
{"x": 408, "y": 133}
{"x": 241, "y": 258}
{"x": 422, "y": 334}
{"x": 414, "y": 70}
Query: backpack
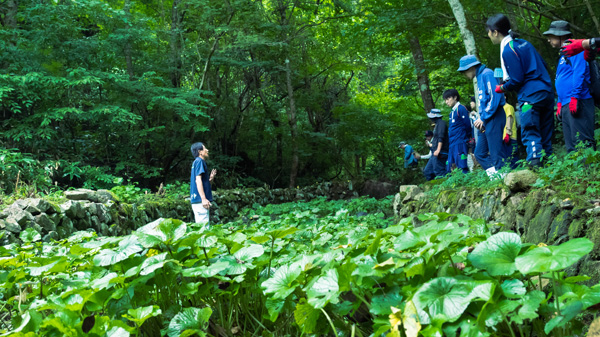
{"x": 595, "y": 82}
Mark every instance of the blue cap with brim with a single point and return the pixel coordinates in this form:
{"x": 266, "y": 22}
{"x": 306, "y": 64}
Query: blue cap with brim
{"x": 434, "y": 113}
{"x": 467, "y": 62}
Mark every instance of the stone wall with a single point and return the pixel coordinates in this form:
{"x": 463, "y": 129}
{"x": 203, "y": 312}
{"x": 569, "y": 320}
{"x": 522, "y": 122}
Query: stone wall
{"x": 538, "y": 215}
{"x": 101, "y": 212}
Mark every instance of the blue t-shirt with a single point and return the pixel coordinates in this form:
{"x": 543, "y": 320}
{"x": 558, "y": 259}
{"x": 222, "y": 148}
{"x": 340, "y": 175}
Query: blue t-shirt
{"x": 572, "y": 78}
{"x": 199, "y": 168}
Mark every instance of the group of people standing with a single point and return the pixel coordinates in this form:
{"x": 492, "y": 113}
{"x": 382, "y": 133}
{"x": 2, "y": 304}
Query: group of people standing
{"x": 495, "y": 126}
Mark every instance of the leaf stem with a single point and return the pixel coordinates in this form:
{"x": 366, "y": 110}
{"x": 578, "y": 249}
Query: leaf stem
{"x": 330, "y": 322}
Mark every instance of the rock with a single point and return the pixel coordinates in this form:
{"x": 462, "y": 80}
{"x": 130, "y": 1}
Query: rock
{"x": 51, "y": 236}
{"x": 79, "y": 194}
{"x": 520, "y": 180}
{"x": 593, "y": 211}
{"x": 35, "y": 206}
{"x": 377, "y": 189}
{"x": 73, "y": 209}
{"x": 10, "y": 225}
{"x": 104, "y": 196}
{"x": 410, "y": 192}
{"x": 45, "y": 222}
{"x": 18, "y": 215}
{"x": 567, "y": 204}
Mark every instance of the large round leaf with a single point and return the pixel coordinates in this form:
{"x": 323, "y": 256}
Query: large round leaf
{"x": 127, "y": 247}
{"x": 443, "y": 297}
{"x": 282, "y": 283}
{"x": 553, "y": 258}
{"x": 189, "y": 321}
{"x": 497, "y": 254}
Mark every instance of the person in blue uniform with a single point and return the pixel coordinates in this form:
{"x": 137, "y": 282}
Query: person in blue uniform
{"x": 410, "y": 161}
{"x": 525, "y": 72}
{"x": 491, "y": 151}
{"x": 436, "y": 166}
{"x": 460, "y": 131}
{"x": 575, "y": 103}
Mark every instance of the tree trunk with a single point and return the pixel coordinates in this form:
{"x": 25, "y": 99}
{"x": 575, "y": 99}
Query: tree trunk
{"x": 175, "y": 72}
{"x": 10, "y": 19}
{"x": 293, "y": 125}
{"x": 422, "y": 73}
{"x": 467, "y": 36}
{"x": 128, "y": 60}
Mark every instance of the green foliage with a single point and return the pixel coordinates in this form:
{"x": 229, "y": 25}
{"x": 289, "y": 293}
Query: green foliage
{"x": 312, "y": 268}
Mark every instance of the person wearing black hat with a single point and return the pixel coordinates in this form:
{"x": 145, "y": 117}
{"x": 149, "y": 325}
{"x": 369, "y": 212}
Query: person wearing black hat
{"x": 436, "y": 166}
{"x": 575, "y": 103}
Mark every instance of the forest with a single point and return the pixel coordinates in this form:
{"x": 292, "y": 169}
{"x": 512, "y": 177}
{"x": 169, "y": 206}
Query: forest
{"x": 299, "y": 102}
{"x": 283, "y": 92}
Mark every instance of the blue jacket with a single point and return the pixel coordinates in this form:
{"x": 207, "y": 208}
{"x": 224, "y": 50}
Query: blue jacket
{"x": 489, "y": 99}
{"x": 527, "y": 72}
{"x": 459, "y": 125}
{"x": 409, "y": 157}
{"x": 572, "y": 78}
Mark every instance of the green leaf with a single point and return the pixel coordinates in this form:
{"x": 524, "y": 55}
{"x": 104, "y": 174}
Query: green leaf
{"x": 30, "y": 235}
{"x": 306, "y": 316}
{"x": 444, "y": 298}
{"x": 513, "y": 288}
{"x": 152, "y": 263}
{"x": 380, "y": 304}
{"x": 497, "y": 254}
{"x": 567, "y": 313}
{"x": 553, "y": 258}
{"x": 274, "y": 307}
{"x": 117, "y": 331}
{"x": 127, "y": 247}
{"x": 373, "y": 248}
{"x": 189, "y": 320}
{"x": 531, "y": 303}
{"x": 140, "y": 315}
{"x": 103, "y": 282}
{"x": 281, "y": 233}
{"x": 324, "y": 290}
{"x": 282, "y": 283}
{"x": 206, "y": 271}
{"x": 206, "y": 241}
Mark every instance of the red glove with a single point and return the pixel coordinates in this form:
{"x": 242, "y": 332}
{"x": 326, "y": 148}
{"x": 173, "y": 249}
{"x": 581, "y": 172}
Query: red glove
{"x": 558, "y": 108}
{"x": 506, "y": 139}
{"x": 573, "y": 47}
{"x": 589, "y": 55}
{"x": 499, "y": 89}
{"x": 573, "y": 105}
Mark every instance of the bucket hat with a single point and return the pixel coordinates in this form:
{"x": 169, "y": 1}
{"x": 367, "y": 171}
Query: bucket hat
{"x": 559, "y": 28}
{"x": 467, "y": 62}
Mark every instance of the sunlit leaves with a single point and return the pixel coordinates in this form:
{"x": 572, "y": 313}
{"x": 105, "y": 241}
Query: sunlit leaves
{"x": 497, "y": 254}
{"x": 189, "y": 321}
{"x": 553, "y": 258}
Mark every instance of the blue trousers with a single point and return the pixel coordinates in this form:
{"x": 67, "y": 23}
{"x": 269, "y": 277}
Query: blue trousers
{"x": 491, "y": 151}
{"x": 579, "y": 127}
{"x": 458, "y": 155}
{"x": 436, "y": 167}
{"x": 537, "y": 122}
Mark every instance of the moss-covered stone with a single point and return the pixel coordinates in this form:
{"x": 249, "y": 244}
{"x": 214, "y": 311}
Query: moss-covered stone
{"x": 537, "y": 229}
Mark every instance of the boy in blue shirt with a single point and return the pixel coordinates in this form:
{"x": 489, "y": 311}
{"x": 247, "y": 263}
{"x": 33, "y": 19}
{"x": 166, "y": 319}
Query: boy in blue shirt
{"x": 409, "y": 156}
{"x": 459, "y": 131}
{"x": 491, "y": 151}
{"x": 575, "y": 103}
{"x": 200, "y": 189}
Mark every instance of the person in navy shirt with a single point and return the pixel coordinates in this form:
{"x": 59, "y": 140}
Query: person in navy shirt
{"x": 436, "y": 166}
{"x": 575, "y": 103}
{"x": 200, "y": 188}
{"x": 491, "y": 151}
{"x": 525, "y": 72}
{"x": 459, "y": 131}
